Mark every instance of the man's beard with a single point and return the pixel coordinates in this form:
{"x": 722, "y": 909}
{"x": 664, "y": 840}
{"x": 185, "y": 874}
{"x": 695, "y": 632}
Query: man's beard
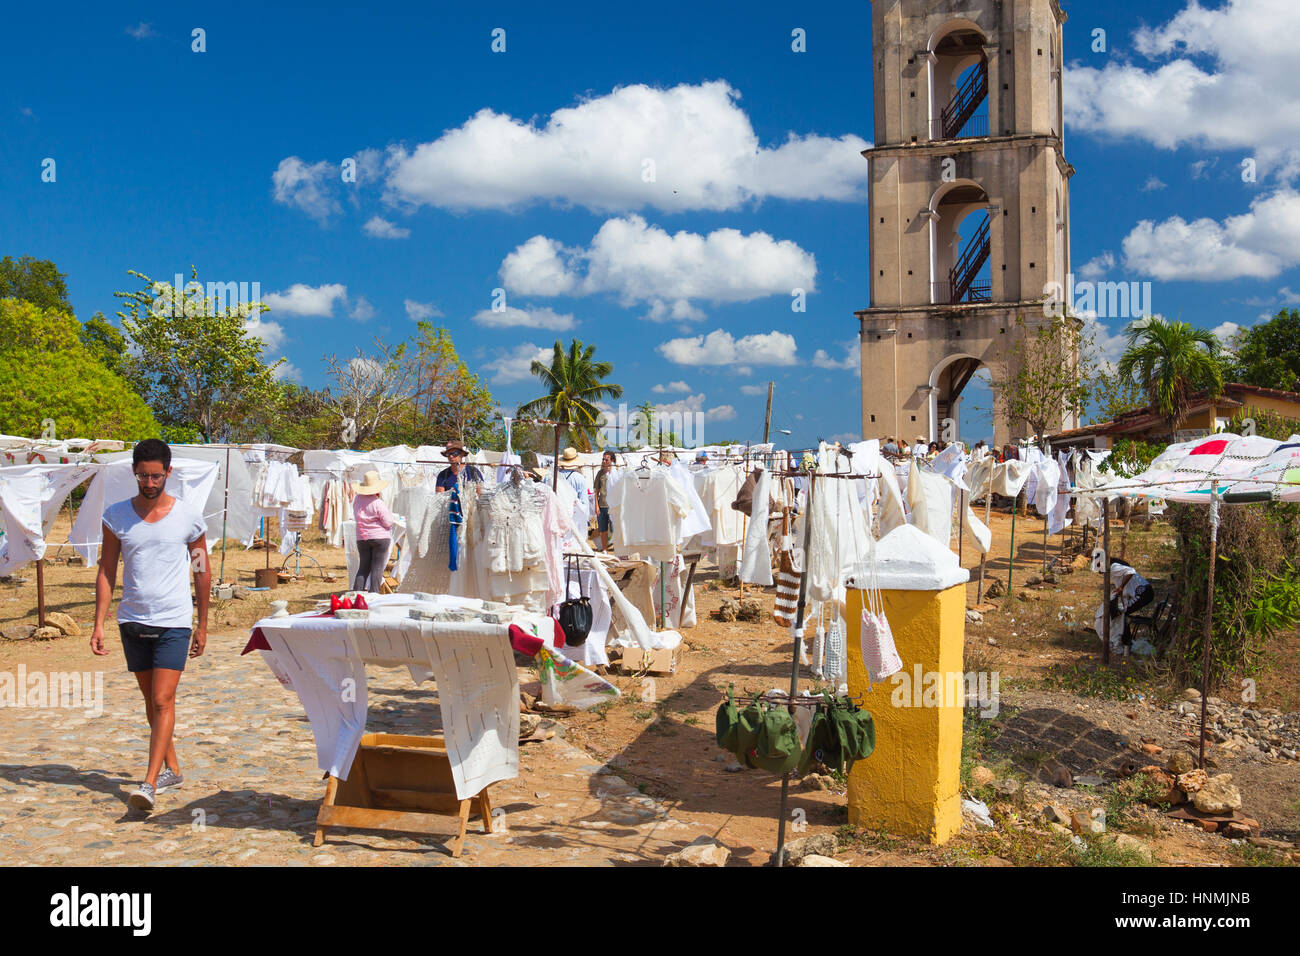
{"x": 150, "y": 492}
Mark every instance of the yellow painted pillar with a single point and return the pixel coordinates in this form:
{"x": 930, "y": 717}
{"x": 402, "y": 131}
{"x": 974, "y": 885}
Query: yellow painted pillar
{"x": 911, "y": 784}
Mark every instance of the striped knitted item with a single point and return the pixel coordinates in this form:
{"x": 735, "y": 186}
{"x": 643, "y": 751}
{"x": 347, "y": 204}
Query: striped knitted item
{"x": 786, "y": 605}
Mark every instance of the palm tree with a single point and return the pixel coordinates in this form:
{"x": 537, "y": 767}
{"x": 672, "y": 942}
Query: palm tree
{"x": 1170, "y": 361}
{"x": 646, "y": 417}
{"x": 573, "y": 386}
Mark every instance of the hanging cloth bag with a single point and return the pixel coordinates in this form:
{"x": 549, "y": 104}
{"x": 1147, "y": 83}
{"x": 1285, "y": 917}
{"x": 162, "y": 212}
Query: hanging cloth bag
{"x": 575, "y": 613}
{"x": 728, "y": 721}
{"x": 879, "y": 655}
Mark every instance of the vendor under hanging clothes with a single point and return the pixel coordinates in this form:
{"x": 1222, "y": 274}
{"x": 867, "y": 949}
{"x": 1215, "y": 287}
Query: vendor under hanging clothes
{"x": 1129, "y": 592}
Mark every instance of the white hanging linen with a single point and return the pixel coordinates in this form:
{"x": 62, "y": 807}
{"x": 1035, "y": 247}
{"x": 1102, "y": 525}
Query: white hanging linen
{"x": 893, "y": 513}
{"x": 977, "y": 532}
{"x": 697, "y": 520}
{"x": 756, "y": 563}
{"x": 930, "y": 498}
{"x": 30, "y": 499}
{"x": 1048, "y": 474}
{"x": 1056, "y": 518}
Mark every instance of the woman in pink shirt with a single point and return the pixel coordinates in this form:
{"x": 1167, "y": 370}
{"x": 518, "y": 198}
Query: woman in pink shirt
{"x": 374, "y": 521}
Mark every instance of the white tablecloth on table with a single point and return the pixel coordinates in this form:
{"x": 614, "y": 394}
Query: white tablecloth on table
{"x": 323, "y": 659}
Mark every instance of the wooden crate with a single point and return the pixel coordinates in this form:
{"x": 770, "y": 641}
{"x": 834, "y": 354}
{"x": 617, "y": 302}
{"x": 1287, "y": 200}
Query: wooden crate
{"x": 399, "y": 782}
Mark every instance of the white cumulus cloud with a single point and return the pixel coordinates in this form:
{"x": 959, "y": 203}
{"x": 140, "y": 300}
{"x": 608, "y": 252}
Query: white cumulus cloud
{"x": 415, "y": 311}
{"x": 719, "y": 347}
{"x": 511, "y": 317}
{"x": 662, "y": 389}
{"x": 302, "y": 299}
{"x": 381, "y": 228}
{"x": 1258, "y": 244}
{"x": 362, "y": 310}
{"x": 307, "y": 187}
{"x": 1097, "y": 266}
{"x": 516, "y": 364}
{"x": 640, "y": 263}
{"x": 688, "y": 147}
{"x": 1216, "y": 78}
{"x": 851, "y": 361}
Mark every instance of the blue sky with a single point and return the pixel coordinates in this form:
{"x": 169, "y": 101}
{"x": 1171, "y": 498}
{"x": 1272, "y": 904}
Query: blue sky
{"x": 468, "y": 181}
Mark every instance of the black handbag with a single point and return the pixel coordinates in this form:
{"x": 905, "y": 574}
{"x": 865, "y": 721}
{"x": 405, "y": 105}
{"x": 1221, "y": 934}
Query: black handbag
{"x": 575, "y": 613}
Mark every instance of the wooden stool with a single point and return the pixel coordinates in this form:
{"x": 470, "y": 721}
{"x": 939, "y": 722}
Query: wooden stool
{"x": 397, "y": 782}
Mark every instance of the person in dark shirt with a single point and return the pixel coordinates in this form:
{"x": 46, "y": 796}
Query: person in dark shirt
{"x": 457, "y": 470}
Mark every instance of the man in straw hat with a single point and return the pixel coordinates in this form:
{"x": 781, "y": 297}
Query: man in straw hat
{"x": 374, "y": 532}
{"x": 568, "y": 465}
{"x": 458, "y": 469}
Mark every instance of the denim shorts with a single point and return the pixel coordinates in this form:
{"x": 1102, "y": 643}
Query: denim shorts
{"x": 148, "y": 647}
{"x": 603, "y": 522}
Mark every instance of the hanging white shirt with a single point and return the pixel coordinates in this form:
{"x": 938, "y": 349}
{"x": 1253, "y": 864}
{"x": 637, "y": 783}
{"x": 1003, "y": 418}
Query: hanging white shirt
{"x": 647, "y": 510}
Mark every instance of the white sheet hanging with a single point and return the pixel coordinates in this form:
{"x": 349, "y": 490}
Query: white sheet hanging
{"x": 930, "y": 498}
{"x": 756, "y": 563}
{"x": 30, "y": 499}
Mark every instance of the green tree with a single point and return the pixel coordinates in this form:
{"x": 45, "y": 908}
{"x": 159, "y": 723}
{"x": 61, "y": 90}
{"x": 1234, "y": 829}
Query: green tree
{"x": 447, "y": 399}
{"x": 1170, "y": 361}
{"x": 645, "y": 422}
{"x": 1051, "y": 371}
{"x": 302, "y": 418}
{"x": 1113, "y": 395}
{"x": 196, "y": 364}
{"x": 105, "y": 341}
{"x": 37, "y": 281}
{"x": 574, "y": 383}
{"x": 51, "y": 385}
{"x": 1268, "y": 355}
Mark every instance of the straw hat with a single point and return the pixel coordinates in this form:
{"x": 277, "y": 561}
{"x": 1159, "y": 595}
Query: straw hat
{"x": 373, "y": 484}
{"x": 570, "y": 456}
{"x": 541, "y": 474}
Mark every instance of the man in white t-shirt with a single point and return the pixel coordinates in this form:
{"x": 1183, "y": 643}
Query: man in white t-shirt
{"x": 158, "y": 538}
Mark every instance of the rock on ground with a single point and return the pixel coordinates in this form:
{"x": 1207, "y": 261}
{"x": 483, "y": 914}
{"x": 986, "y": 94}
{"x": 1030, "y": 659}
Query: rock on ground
{"x": 702, "y": 851}
{"x": 64, "y": 622}
{"x": 814, "y": 859}
{"x": 823, "y": 844}
{"x": 1217, "y": 795}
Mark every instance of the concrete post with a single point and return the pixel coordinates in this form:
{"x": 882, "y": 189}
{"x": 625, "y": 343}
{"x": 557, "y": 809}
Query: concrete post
{"x": 911, "y": 784}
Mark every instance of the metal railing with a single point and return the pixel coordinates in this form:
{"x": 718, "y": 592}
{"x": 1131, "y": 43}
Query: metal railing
{"x": 977, "y": 125}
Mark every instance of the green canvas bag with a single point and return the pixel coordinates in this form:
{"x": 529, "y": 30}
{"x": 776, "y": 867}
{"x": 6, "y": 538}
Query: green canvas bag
{"x": 747, "y": 727}
{"x": 728, "y": 721}
{"x": 777, "y": 750}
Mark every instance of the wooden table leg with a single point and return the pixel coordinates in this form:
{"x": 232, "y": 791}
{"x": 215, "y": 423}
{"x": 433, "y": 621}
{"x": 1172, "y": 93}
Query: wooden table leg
{"x": 463, "y": 821}
{"x": 485, "y": 811}
{"x": 331, "y": 789}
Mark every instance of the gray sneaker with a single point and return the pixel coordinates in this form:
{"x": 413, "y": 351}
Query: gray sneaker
{"x": 168, "y": 780}
{"x": 142, "y": 799}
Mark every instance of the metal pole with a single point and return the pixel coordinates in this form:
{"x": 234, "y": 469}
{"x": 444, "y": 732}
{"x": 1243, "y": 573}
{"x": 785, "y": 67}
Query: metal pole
{"x": 1105, "y": 581}
{"x": 988, "y": 511}
{"x": 1011, "y": 558}
{"x": 1209, "y": 618}
{"x": 225, "y": 510}
{"x": 794, "y": 664}
{"x": 40, "y": 593}
{"x": 1044, "y": 544}
{"x": 767, "y": 417}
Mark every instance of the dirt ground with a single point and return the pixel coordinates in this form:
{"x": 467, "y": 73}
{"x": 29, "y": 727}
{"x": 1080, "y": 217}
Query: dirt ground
{"x": 662, "y": 743}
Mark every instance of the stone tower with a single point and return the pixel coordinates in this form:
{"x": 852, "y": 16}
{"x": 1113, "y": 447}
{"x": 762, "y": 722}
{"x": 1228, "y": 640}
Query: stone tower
{"x": 969, "y": 202}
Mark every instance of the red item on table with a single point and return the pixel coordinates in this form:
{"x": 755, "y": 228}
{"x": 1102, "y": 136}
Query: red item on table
{"x": 360, "y": 603}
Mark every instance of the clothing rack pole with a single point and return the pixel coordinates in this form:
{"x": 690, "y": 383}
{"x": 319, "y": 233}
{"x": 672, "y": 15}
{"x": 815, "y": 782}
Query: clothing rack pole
{"x": 794, "y": 662}
{"x": 40, "y": 592}
{"x": 988, "y": 509}
{"x": 225, "y": 510}
{"x": 1011, "y": 555}
{"x": 1105, "y": 582}
{"x": 1045, "y": 519}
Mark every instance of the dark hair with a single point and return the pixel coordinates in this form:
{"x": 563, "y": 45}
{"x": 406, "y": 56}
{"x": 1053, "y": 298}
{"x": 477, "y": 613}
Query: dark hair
{"x": 151, "y": 449}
